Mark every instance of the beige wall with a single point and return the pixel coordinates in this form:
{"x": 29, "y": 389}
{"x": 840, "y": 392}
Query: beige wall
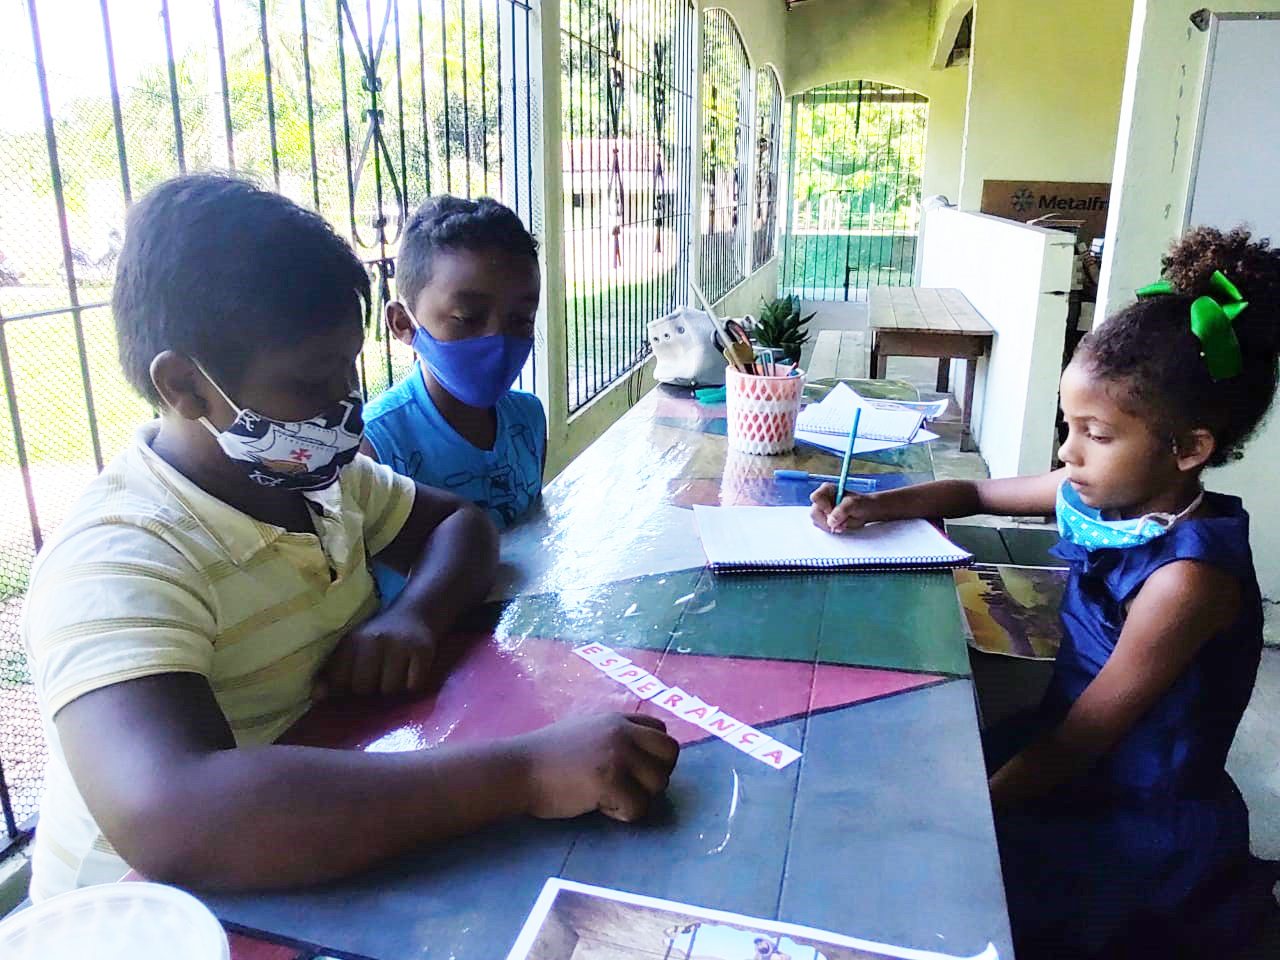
{"x": 1157, "y": 138}
{"x": 745, "y": 297}
{"x": 762, "y": 25}
{"x": 948, "y": 102}
{"x": 884, "y": 40}
{"x": 891, "y": 41}
{"x": 944, "y": 150}
{"x": 1045, "y": 90}
{"x": 1039, "y": 100}
{"x": 1159, "y": 122}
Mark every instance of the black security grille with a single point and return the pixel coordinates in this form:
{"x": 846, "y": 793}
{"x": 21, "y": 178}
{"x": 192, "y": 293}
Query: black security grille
{"x": 627, "y": 69}
{"x": 764, "y": 221}
{"x": 357, "y": 108}
{"x": 726, "y": 155}
{"x": 856, "y": 156}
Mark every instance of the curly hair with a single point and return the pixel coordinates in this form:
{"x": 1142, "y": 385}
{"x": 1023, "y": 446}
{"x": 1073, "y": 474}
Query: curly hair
{"x": 1149, "y": 350}
{"x": 451, "y": 223}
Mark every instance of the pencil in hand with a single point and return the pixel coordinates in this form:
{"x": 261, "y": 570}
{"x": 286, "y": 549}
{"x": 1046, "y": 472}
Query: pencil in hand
{"x": 848, "y": 455}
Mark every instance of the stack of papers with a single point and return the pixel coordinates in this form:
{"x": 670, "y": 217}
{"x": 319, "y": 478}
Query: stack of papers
{"x": 882, "y": 423}
{"x": 879, "y": 420}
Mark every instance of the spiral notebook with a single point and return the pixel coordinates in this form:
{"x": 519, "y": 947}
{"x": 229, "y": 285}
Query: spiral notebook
{"x": 784, "y": 538}
{"x": 879, "y": 420}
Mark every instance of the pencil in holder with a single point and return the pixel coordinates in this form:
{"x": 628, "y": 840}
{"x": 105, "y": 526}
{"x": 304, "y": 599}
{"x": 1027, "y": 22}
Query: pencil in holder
{"x": 762, "y": 411}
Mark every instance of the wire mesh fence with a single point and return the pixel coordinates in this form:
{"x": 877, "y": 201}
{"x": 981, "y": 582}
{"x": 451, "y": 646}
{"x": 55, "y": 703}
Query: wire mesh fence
{"x": 726, "y": 155}
{"x": 355, "y": 108}
{"x": 358, "y": 109}
{"x": 856, "y": 156}
{"x": 627, "y": 75}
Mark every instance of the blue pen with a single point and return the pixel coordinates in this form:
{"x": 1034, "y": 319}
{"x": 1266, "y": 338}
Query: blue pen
{"x": 858, "y": 483}
{"x": 848, "y": 453}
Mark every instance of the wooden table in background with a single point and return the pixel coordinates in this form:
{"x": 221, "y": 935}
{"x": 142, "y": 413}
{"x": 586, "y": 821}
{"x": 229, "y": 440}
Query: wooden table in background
{"x": 929, "y": 322}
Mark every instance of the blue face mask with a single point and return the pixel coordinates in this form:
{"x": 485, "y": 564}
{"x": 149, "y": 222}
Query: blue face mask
{"x": 478, "y": 370}
{"x": 1085, "y": 527}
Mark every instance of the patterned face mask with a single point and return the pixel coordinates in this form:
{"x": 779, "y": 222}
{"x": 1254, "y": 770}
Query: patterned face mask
{"x": 1085, "y": 527}
{"x": 292, "y": 455}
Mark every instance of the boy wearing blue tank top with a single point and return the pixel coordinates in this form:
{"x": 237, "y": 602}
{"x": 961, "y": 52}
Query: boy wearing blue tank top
{"x": 469, "y": 285}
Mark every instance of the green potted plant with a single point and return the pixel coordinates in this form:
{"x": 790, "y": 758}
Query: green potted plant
{"x": 780, "y": 325}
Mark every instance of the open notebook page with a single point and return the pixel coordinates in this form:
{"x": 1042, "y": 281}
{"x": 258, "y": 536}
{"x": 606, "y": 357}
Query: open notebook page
{"x": 784, "y": 538}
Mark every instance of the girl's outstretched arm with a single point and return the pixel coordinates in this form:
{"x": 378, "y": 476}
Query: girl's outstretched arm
{"x": 1014, "y": 496}
{"x": 1179, "y": 607}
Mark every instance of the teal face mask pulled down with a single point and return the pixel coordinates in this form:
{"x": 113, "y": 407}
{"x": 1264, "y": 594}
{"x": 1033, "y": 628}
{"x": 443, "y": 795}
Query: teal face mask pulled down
{"x": 1085, "y": 526}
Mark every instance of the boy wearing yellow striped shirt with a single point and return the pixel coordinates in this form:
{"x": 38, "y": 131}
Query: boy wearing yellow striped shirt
{"x": 215, "y": 579}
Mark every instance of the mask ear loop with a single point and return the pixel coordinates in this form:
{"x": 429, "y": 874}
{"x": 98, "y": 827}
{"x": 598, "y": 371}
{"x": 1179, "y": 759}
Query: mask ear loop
{"x": 222, "y": 393}
{"x": 412, "y": 318}
{"x": 1169, "y": 520}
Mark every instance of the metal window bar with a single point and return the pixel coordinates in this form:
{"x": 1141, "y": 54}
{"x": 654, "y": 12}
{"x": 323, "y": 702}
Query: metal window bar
{"x": 764, "y": 224}
{"x": 338, "y": 102}
{"x": 726, "y": 154}
{"x": 856, "y": 157}
{"x": 627, "y": 92}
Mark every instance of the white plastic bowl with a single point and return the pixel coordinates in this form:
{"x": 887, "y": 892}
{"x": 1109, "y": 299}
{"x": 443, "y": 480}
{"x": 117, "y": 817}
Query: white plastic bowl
{"x": 115, "y": 921}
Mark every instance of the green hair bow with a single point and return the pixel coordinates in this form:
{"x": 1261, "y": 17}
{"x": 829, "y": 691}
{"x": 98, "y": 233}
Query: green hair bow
{"x": 1212, "y": 317}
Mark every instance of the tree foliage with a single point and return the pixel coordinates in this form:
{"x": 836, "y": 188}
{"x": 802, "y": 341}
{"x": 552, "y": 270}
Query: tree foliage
{"x": 438, "y": 85}
{"x": 862, "y": 146}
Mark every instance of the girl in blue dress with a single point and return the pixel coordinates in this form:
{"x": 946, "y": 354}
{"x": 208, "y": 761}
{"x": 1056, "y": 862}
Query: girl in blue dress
{"x": 1121, "y": 833}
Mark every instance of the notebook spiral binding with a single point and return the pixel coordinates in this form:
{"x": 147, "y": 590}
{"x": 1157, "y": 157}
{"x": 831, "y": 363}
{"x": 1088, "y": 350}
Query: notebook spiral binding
{"x": 938, "y": 562}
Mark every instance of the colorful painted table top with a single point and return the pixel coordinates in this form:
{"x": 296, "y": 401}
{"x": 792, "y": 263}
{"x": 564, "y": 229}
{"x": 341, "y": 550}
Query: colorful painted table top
{"x": 882, "y": 829}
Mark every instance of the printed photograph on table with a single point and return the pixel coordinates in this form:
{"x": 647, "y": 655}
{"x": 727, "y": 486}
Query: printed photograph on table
{"x": 1013, "y": 610}
{"x": 577, "y": 921}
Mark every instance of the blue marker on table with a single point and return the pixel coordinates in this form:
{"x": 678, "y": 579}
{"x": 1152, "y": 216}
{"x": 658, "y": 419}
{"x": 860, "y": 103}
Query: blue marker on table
{"x": 857, "y": 483}
{"x": 848, "y": 454}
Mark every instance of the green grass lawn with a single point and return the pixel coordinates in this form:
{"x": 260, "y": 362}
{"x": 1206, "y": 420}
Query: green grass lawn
{"x": 602, "y": 345}
{"x": 53, "y": 410}
{"x": 49, "y": 385}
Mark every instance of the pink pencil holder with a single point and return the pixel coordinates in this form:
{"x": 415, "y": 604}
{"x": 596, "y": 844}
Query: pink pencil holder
{"x": 762, "y": 411}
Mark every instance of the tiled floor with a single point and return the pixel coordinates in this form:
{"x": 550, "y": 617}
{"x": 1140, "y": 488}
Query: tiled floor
{"x": 1007, "y": 684}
